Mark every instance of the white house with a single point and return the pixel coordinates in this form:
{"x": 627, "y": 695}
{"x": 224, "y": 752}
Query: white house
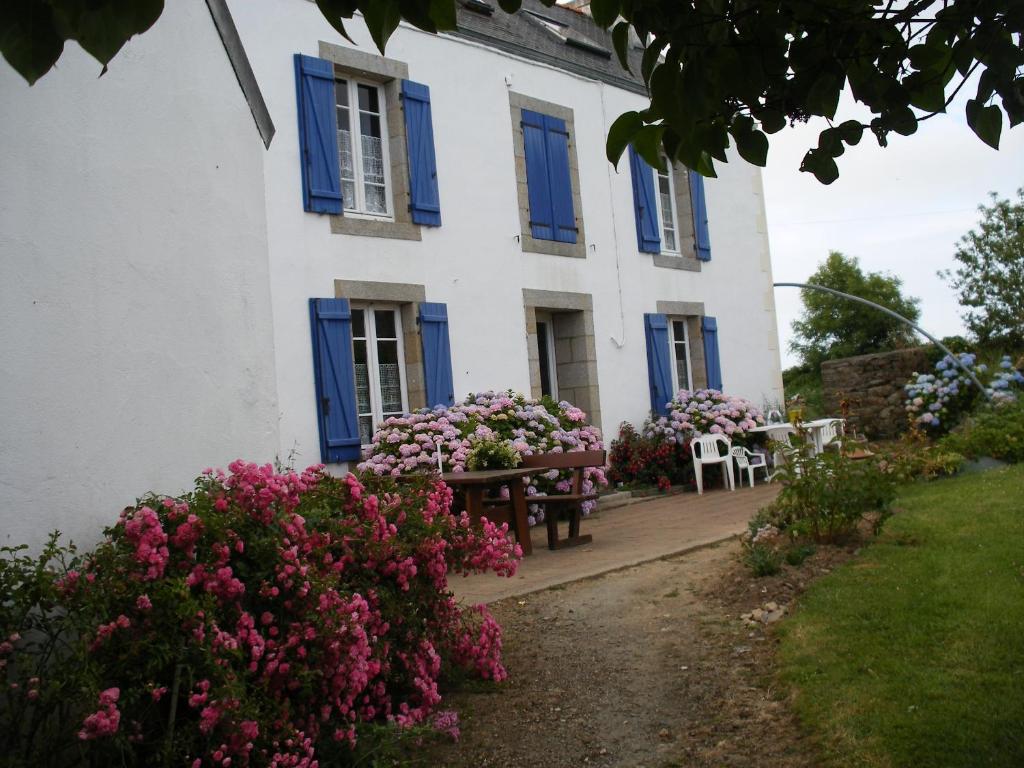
{"x": 253, "y": 238}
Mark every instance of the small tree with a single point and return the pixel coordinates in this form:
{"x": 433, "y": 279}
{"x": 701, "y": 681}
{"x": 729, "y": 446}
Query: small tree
{"x": 990, "y": 275}
{"x": 832, "y": 327}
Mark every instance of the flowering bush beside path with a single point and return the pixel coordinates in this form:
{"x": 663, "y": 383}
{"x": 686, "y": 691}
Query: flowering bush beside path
{"x": 408, "y": 443}
{"x": 937, "y": 401}
{"x": 660, "y": 452}
{"x": 262, "y": 619}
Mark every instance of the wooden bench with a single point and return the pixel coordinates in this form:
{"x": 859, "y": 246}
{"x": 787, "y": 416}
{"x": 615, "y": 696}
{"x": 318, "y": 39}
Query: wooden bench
{"x": 572, "y": 501}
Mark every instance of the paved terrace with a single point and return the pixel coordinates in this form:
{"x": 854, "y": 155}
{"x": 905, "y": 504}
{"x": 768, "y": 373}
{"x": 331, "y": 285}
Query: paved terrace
{"x": 647, "y": 529}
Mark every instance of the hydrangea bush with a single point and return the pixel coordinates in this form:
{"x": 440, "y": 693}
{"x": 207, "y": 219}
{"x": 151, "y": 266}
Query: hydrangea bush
{"x": 405, "y": 444}
{"x": 261, "y": 619}
{"x": 937, "y": 401}
{"x": 707, "y": 411}
{"x": 649, "y": 457}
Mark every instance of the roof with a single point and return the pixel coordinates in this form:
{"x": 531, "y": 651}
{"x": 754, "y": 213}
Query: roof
{"x": 558, "y": 36}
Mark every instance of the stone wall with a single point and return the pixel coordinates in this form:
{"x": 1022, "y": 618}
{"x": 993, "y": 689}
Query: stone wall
{"x": 872, "y": 386}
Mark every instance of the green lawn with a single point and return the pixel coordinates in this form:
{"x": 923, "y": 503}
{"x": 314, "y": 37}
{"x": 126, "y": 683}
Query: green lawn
{"x": 913, "y": 654}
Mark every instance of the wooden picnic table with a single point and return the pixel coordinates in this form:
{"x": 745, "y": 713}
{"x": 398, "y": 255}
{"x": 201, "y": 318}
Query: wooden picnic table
{"x": 474, "y": 486}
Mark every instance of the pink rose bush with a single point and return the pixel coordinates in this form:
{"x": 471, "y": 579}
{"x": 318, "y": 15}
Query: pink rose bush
{"x": 410, "y": 443}
{"x": 706, "y": 411}
{"x": 270, "y": 615}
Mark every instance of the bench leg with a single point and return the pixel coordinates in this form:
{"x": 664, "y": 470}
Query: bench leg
{"x": 521, "y": 525}
{"x": 574, "y": 539}
{"x": 551, "y": 520}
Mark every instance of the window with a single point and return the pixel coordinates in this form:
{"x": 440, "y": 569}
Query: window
{"x": 667, "y": 218}
{"x": 362, "y": 147}
{"x": 680, "y": 340}
{"x": 547, "y": 177}
{"x": 379, "y": 362}
{"x": 546, "y": 353}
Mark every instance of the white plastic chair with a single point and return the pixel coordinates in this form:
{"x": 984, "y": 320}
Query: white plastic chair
{"x": 748, "y": 461}
{"x": 709, "y": 454}
{"x": 828, "y": 434}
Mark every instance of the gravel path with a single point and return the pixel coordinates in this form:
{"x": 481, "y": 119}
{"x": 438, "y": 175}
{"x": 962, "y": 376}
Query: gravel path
{"x": 649, "y": 666}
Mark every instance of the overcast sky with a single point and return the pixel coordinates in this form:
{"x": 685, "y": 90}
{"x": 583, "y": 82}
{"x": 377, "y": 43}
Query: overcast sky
{"x": 900, "y": 210}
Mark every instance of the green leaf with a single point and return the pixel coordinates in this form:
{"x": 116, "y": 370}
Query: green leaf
{"x": 831, "y": 141}
{"x": 442, "y": 12}
{"x": 382, "y": 18}
{"x": 821, "y": 165}
{"x": 103, "y": 27}
{"x": 28, "y": 38}
{"x": 336, "y": 10}
{"x": 665, "y": 91}
{"x": 705, "y": 166}
{"x": 851, "y": 131}
{"x": 417, "y": 14}
{"x": 823, "y": 96}
{"x": 986, "y": 122}
{"x": 903, "y": 121}
{"x": 772, "y": 120}
{"x": 652, "y": 54}
{"x": 647, "y": 142}
{"x": 621, "y": 134}
{"x": 930, "y": 55}
{"x": 620, "y": 40}
{"x": 926, "y": 92}
{"x": 604, "y": 12}
{"x": 752, "y": 146}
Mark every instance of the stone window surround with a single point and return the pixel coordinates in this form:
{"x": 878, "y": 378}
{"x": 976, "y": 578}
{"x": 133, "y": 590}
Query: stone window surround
{"x": 407, "y": 296}
{"x": 686, "y": 259}
{"x": 517, "y": 103}
{"x": 389, "y": 74}
{"x": 691, "y": 312}
{"x": 572, "y": 316}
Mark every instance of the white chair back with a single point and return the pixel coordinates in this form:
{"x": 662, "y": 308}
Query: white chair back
{"x": 740, "y": 455}
{"x": 708, "y": 445}
{"x": 828, "y": 433}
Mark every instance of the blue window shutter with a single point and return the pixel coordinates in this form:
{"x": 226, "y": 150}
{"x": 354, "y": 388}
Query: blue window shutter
{"x": 318, "y": 135}
{"x": 424, "y": 200}
{"x": 437, "y": 354}
{"x": 659, "y": 371}
{"x": 648, "y": 237}
{"x": 334, "y": 372}
{"x": 700, "y": 216}
{"x": 712, "y": 360}
{"x": 563, "y": 213}
{"x": 542, "y": 225}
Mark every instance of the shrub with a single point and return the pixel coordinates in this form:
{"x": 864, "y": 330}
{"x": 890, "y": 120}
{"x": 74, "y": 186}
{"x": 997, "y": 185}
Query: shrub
{"x": 996, "y": 431}
{"x": 493, "y": 454}
{"x": 708, "y": 411}
{"x": 762, "y": 559}
{"x": 826, "y": 496}
{"x": 649, "y": 458}
{"x": 409, "y": 443}
{"x": 915, "y": 458}
{"x": 796, "y": 554}
{"x": 761, "y": 547}
{"x": 262, "y": 619}
{"x": 938, "y": 401}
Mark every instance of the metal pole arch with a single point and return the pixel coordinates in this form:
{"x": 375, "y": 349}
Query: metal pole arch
{"x": 901, "y": 318}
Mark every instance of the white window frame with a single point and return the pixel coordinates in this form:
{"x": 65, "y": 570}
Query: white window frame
{"x": 548, "y": 320}
{"x": 670, "y": 175}
{"x": 686, "y": 346}
{"x": 358, "y": 208}
{"x": 373, "y": 369}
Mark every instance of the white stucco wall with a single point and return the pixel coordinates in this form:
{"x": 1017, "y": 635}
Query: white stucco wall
{"x": 474, "y": 262}
{"x": 135, "y": 322}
